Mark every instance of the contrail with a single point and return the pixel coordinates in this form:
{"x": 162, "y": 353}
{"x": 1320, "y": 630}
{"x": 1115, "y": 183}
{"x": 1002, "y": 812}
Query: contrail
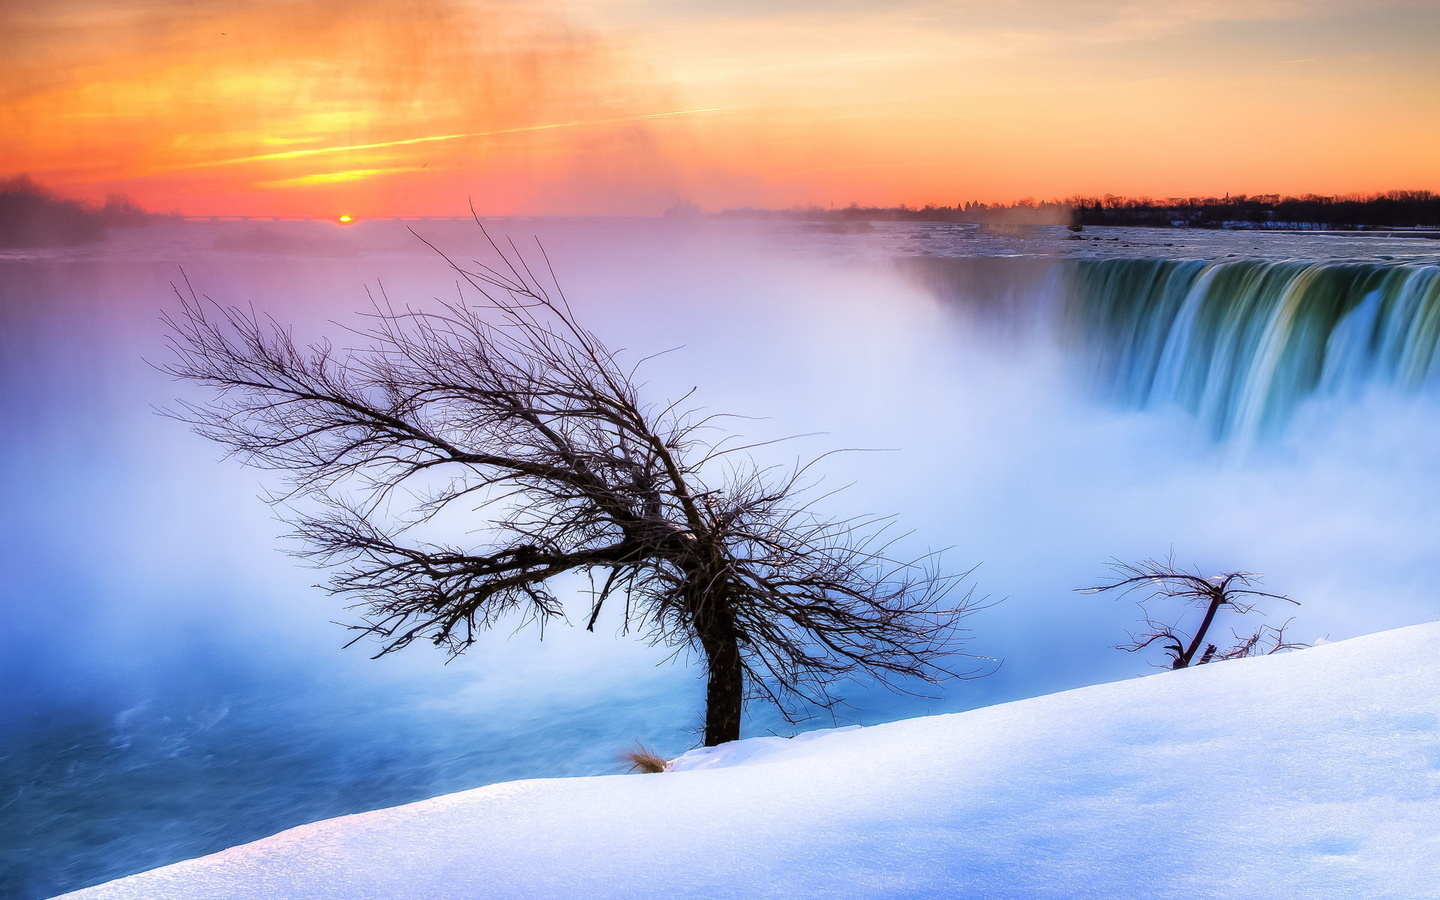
{"x": 316, "y": 151}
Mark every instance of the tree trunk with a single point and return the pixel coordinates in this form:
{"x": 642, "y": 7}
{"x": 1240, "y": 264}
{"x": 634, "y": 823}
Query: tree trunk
{"x": 1182, "y": 662}
{"x": 724, "y": 691}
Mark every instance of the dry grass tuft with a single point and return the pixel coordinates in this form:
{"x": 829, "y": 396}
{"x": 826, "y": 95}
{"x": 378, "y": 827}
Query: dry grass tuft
{"x": 645, "y": 761}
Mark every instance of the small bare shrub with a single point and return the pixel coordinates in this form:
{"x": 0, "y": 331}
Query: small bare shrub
{"x": 645, "y": 762}
{"x": 1230, "y": 589}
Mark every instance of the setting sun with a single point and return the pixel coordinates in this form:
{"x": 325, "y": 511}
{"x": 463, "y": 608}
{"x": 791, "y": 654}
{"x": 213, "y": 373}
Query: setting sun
{"x": 345, "y": 220}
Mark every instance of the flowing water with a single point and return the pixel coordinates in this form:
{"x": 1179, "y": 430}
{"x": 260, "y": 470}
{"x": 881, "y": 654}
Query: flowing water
{"x": 172, "y": 684}
{"x": 1241, "y": 345}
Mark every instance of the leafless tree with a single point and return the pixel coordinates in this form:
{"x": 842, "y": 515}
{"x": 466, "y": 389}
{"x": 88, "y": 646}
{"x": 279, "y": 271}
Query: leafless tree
{"x": 500, "y": 403}
{"x": 1230, "y": 590}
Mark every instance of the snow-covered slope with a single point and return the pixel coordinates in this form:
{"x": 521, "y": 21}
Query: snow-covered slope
{"x": 1313, "y": 774}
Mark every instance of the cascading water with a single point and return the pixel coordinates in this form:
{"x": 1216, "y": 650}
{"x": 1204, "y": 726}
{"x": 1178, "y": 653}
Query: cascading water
{"x": 1242, "y": 344}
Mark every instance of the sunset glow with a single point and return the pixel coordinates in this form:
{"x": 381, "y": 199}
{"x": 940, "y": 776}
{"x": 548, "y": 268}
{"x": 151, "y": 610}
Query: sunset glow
{"x": 631, "y": 106}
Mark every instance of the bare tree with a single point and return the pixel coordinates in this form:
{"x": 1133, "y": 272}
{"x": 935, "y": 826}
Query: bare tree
{"x": 1230, "y": 590}
{"x": 501, "y": 403}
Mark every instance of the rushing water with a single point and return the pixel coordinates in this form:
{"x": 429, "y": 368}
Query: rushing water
{"x": 172, "y": 684}
{"x": 1242, "y": 344}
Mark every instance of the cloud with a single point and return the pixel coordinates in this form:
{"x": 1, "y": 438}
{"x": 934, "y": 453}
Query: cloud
{"x": 297, "y": 94}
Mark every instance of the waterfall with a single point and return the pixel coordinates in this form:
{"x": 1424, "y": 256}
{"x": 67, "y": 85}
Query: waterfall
{"x": 1238, "y": 344}
{"x": 1242, "y": 344}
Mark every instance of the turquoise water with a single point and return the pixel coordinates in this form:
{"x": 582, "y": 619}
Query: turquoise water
{"x": 90, "y": 793}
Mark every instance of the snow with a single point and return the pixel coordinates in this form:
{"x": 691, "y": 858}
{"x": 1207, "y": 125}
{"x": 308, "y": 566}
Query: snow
{"x": 1313, "y": 774}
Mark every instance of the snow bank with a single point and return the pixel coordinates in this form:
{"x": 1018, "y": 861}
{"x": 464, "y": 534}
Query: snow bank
{"x": 1310, "y": 775}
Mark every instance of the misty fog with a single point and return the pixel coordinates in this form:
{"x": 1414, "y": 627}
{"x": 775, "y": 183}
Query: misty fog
{"x": 154, "y": 617}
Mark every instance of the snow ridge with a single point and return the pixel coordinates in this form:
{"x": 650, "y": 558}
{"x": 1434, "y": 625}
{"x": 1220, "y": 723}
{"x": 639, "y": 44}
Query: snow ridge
{"x": 1313, "y": 774}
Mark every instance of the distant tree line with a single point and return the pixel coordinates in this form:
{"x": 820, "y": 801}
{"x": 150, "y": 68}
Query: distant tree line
{"x": 33, "y": 216}
{"x": 1392, "y": 209}
{"x": 1021, "y": 212}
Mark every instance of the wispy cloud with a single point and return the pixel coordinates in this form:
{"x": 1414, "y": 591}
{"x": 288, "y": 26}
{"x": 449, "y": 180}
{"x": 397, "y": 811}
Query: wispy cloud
{"x": 437, "y": 138}
{"x": 337, "y": 177}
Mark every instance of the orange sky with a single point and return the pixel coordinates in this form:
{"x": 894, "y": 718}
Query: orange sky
{"x": 381, "y": 107}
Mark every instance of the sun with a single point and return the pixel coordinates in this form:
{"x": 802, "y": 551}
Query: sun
{"x": 345, "y": 220}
